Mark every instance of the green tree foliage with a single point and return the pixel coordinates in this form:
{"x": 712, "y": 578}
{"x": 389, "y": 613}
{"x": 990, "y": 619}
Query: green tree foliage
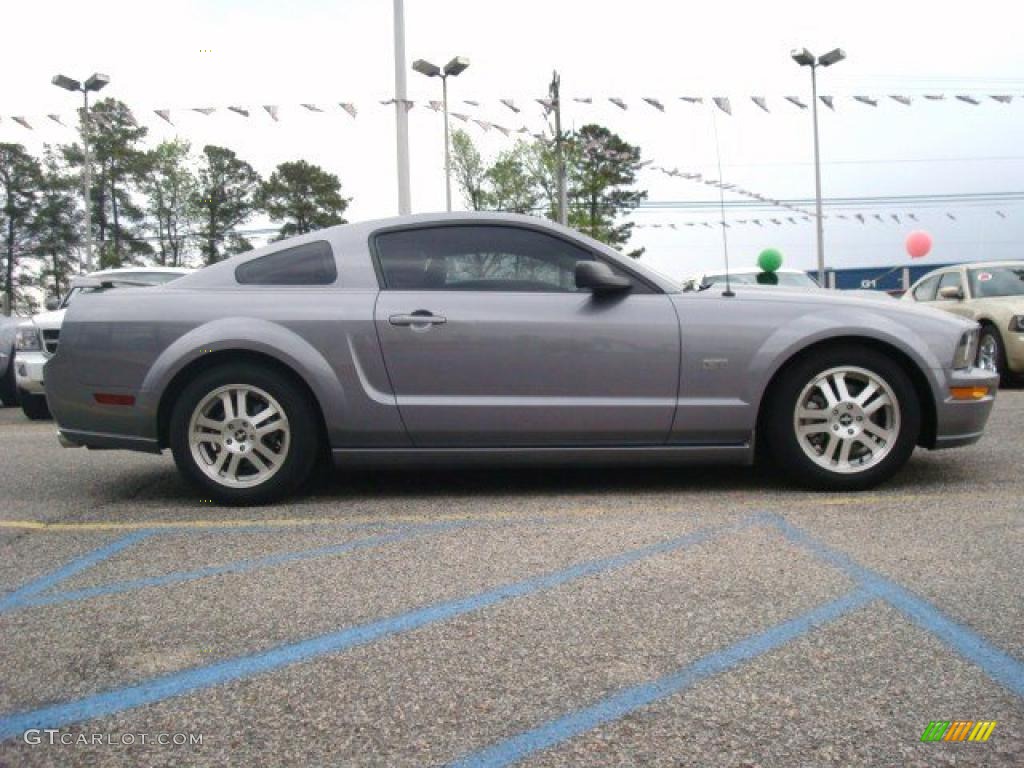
{"x": 226, "y": 197}
{"x": 305, "y": 197}
{"x": 20, "y": 179}
{"x": 57, "y": 227}
{"x": 601, "y": 175}
{"x": 469, "y": 170}
{"x": 170, "y": 189}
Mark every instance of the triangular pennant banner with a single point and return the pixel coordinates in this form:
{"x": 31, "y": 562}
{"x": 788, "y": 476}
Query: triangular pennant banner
{"x": 548, "y": 104}
{"x": 968, "y": 99}
{"x": 348, "y": 107}
{"x": 722, "y": 102}
{"x": 21, "y": 121}
{"x": 904, "y": 100}
{"x": 828, "y": 102}
{"x": 796, "y": 100}
{"x": 866, "y": 100}
{"x": 240, "y": 111}
{"x": 510, "y": 104}
{"x": 312, "y": 107}
{"x": 463, "y": 118}
{"x": 271, "y": 110}
{"x": 502, "y": 128}
{"x": 1002, "y": 98}
{"x": 655, "y": 103}
{"x": 617, "y": 102}
{"x": 935, "y": 96}
{"x": 693, "y": 99}
{"x": 471, "y": 102}
{"x": 435, "y": 105}
{"x": 165, "y": 114}
{"x": 205, "y": 110}
{"x": 56, "y": 119}
{"x": 483, "y": 124}
{"x": 761, "y": 101}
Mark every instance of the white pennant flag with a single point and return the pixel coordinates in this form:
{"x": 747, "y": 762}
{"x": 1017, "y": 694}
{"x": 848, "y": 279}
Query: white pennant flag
{"x": 483, "y": 124}
{"x": 617, "y": 102}
{"x": 951, "y": 217}
{"x": 827, "y": 101}
{"x": 583, "y": 99}
{"x": 510, "y": 104}
{"x": 463, "y": 118}
{"x": 1000, "y": 214}
{"x": 21, "y": 121}
{"x": 935, "y": 96}
{"x": 471, "y": 102}
{"x": 904, "y": 100}
{"x": 312, "y": 107}
{"x": 435, "y": 105}
{"x": 522, "y": 129}
{"x": 655, "y": 103}
{"x": 912, "y": 216}
{"x": 548, "y": 104}
{"x": 866, "y": 100}
{"x": 776, "y": 222}
{"x": 56, "y": 119}
{"x": 879, "y": 217}
{"x": 791, "y": 220}
{"x": 1002, "y": 98}
{"x": 968, "y": 99}
{"x": 165, "y": 114}
{"x": 722, "y": 102}
{"x": 693, "y": 99}
{"x": 896, "y": 218}
{"x": 860, "y": 218}
{"x": 501, "y": 128}
{"x": 204, "y": 110}
{"x": 758, "y": 222}
{"x": 240, "y": 111}
{"x": 761, "y": 101}
{"x": 796, "y": 100}
{"x": 348, "y": 107}
{"x": 271, "y": 110}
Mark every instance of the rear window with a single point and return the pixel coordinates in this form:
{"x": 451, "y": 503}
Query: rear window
{"x": 306, "y": 264}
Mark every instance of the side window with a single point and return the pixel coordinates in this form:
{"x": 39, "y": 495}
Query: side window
{"x": 478, "y": 258}
{"x": 926, "y": 290}
{"x": 949, "y": 279}
{"x": 306, "y": 264}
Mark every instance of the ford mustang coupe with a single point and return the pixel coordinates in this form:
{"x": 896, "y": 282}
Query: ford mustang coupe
{"x": 478, "y": 337}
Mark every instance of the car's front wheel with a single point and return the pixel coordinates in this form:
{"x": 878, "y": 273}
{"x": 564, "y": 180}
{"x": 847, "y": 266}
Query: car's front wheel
{"x": 244, "y": 434}
{"x": 992, "y": 353}
{"x": 846, "y": 418}
{"x": 34, "y": 407}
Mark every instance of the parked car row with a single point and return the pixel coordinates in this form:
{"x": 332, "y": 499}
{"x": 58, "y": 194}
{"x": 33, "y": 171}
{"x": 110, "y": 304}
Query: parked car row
{"x": 476, "y": 338}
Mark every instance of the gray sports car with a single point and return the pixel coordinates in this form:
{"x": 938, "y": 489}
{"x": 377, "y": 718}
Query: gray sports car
{"x": 471, "y": 338}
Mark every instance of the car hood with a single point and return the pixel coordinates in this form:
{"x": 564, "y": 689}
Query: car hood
{"x": 49, "y": 321}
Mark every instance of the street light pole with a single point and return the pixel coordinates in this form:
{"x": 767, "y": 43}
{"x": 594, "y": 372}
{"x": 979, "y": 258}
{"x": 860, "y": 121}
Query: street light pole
{"x": 805, "y": 58}
{"x": 94, "y": 83}
{"x": 401, "y": 112}
{"x": 453, "y": 68}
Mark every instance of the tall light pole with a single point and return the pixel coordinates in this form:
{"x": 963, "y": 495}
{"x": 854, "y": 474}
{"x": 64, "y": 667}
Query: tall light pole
{"x": 94, "y": 83}
{"x": 401, "y": 112}
{"x": 805, "y": 58}
{"x": 453, "y": 68}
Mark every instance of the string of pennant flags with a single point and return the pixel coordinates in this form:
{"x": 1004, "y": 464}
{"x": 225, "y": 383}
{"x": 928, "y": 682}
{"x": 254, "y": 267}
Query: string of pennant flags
{"x": 779, "y": 221}
{"x": 459, "y": 107}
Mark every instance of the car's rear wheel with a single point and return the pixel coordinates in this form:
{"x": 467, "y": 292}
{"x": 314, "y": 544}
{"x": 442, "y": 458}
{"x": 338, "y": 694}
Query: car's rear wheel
{"x": 244, "y": 434}
{"x": 846, "y": 418}
{"x": 9, "y": 386}
{"x": 992, "y": 353}
{"x": 34, "y": 407}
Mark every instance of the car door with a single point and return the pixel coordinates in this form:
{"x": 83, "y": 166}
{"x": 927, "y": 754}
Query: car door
{"x": 488, "y": 342}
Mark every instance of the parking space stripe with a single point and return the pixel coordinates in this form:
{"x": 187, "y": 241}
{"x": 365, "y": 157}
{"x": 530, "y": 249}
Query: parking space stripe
{"x": 186, "y": 681}
{"x": 18, "y": 596}
{"x": 239, "y": 566}
{"x": 623, "y": 703}
{"x": 997, "y": 664}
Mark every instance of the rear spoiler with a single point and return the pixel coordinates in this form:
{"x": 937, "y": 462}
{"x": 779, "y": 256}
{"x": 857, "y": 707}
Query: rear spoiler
{"x": 87, "y": 281}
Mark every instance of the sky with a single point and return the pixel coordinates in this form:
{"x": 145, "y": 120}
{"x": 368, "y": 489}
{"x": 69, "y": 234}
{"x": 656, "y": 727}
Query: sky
{"x": 181, "y": 55}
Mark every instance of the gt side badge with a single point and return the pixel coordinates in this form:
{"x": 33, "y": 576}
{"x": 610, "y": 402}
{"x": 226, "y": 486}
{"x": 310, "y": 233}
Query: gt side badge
{"x": 715, "y": 363}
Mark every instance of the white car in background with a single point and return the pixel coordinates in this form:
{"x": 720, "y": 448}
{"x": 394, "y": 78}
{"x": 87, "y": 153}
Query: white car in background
{"x": 784, "y": 278}
{"x": 36, "y": 339}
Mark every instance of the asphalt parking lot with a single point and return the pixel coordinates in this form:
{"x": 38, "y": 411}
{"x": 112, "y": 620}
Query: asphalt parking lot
{"x": 659, "y": 617}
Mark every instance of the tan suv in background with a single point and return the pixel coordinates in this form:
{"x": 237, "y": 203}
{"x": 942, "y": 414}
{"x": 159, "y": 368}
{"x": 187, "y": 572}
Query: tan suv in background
{"x": 993, "y": 294}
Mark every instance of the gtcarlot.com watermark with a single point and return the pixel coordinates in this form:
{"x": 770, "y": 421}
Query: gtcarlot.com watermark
{"x": 56, "y": 737}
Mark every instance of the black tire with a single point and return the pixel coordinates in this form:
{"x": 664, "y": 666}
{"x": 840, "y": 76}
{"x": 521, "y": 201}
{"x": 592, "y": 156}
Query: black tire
{"x": 780, "y": 431}
{"x": 991, "y": 332}
{"x": 34, "y": 407}
{"x": 9, "y": 386}
{"x": 302, "y": 450}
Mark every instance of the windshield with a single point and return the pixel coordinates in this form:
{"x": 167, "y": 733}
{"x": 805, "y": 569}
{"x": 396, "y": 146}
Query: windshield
{"x": 792, "y": 279}
{"x": 988, "y": 282}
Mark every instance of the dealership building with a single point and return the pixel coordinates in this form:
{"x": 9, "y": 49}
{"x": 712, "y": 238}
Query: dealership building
{"x": 898, "y": 278}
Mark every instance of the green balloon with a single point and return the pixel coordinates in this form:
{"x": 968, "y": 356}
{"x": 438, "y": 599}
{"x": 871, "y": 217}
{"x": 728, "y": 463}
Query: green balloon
{"x": 769, "y": 260}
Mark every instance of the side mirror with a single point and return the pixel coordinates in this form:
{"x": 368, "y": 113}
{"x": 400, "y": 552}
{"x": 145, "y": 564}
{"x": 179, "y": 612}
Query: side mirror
{"x": 598, "y": 278}
{"x": 52, "y": 303}
{"x": 951, "y": 292}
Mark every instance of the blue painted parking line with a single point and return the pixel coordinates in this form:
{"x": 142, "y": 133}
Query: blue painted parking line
{"x": 238, "y": 566}
{"x": 50, "y": 580}
{"x": 623, "y": 703}
{"x": 198, "y": 678}
{"x": 997, "y": 664}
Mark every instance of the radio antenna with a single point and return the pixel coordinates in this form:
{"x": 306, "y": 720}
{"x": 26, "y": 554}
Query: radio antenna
{"x": 721, "y": 201}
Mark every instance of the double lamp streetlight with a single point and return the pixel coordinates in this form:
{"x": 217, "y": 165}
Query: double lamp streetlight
{"x": 805, "y": 58}
{"x": 453, "y": 68}
{"x": 93, "y": 84}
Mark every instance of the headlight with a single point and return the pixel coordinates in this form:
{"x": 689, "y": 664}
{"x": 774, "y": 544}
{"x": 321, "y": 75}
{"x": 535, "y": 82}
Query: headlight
{"x": 27, "y": 340}
{"x": 965, "y": 350}
{"x": 1017, "y": 323}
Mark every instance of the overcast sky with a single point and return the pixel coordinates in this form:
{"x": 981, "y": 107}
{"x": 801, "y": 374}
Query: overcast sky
{"x": 320, "y": 52}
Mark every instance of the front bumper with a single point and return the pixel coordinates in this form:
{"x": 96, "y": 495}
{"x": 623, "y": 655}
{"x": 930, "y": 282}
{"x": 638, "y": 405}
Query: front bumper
{"x": 28, "y": 371}
{"x": 962, "y": 422}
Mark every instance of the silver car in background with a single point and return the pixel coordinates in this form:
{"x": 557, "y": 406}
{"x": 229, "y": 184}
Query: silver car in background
{"x": 474, "y": 338}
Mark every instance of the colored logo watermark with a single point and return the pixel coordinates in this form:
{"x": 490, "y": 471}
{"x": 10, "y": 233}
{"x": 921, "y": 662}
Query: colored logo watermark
{"x": 958, "y": 730}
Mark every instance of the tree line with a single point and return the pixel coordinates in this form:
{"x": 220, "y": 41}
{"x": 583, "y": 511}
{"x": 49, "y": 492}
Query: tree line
{"x": 168, "y": 205}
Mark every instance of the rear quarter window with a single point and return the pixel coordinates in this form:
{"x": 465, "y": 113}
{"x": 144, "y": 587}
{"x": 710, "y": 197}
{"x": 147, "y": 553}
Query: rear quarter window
{"x": 307, "y": 264}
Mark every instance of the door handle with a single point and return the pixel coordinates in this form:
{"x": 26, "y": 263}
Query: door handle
{"x": 418, "y": 318}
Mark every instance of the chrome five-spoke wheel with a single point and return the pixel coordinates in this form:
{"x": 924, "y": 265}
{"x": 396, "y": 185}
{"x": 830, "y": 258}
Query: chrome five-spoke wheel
{"x": 847, "y": 419}
{"x": 239, "y": 435}
{"x": 988, "y": 352}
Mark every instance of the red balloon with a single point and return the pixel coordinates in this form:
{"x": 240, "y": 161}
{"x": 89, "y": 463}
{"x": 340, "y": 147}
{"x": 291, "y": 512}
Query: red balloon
{"x": 919, "y": 243}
